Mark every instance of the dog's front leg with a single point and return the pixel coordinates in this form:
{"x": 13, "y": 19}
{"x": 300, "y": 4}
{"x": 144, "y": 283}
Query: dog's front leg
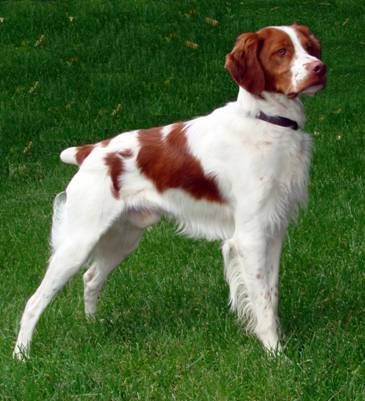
{"x": 274, "y": 253}
{"x": 247, "y": 271}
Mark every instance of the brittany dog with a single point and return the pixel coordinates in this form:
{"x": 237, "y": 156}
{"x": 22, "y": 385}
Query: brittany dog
{"x": 237, "y": 174}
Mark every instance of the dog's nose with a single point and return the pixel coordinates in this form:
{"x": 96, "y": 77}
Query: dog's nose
{"x": 319, "y": 68}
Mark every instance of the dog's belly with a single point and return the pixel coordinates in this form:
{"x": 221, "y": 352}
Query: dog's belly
{"x": 194, "y": 218}
{"x": 202, "y": 219}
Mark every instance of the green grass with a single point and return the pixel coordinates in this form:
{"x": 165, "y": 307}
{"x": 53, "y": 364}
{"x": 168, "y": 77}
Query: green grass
{"x": 163, "y": 331}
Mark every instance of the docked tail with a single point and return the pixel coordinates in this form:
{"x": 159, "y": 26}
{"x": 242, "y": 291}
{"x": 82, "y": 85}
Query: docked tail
{"x": 69, "y": 156}
{"x": 77, "y": 154}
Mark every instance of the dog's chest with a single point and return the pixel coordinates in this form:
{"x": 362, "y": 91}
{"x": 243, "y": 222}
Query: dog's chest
{"x": 263, "y": 175}
{"x": 282, "y": 169}
{"x": 290, "y": 158}
{"x": 259, "y": 156}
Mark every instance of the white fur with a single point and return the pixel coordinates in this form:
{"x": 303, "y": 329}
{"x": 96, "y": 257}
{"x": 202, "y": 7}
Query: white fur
{"x": 68, "y": 155}
{"x": 261, "y": 171}
{"x": 301, "y": 59}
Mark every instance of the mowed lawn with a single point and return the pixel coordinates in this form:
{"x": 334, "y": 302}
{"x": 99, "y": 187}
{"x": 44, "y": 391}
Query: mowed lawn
{"x": 74, "y": 72}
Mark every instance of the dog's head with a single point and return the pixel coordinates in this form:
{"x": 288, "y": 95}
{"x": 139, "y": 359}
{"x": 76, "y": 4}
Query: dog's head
{"x": 285, "y": 59}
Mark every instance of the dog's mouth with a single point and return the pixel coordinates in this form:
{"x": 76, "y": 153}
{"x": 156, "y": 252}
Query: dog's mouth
{"x": 313, "y": 89}
{"x": 310, "y": 88}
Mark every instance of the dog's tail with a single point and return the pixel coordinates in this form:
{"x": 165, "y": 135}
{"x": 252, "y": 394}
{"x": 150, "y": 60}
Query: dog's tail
{"x": 76, "y": 154}
{"x": 69, "y": 156}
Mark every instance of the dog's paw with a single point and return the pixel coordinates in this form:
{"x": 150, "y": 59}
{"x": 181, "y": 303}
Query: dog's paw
{"x": 20, "y": 354}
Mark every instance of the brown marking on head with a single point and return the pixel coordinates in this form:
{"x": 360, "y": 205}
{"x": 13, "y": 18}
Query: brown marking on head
{"x": 276, "y": 55}
{"x": 262, "y": 60}
{"x": 258, "y": 276}
{"x": 257, "y": 62}
{"x": 169, "y": 164}
{"x": 127, "y": 153}
{"x": 82, "y": 152}
{"x": 115, "y": 166}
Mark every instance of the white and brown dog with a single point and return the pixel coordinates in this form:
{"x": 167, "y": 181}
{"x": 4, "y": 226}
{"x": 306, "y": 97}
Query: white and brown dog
{"x": 237, "y": 174}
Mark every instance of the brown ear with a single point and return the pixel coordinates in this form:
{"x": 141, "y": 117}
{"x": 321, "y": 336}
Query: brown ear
{"x": 315, "y": 43}
{"x": 243, "y": 63}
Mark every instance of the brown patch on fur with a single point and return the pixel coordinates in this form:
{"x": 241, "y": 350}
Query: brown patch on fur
{"x": 83, "y": 152}
{"x": 258, "y": 276}
{"x": 169, "y": 164}
{"x": 115, "y": 166}
{"x": 105, "y": 142}
{"x": 127, "y": 153}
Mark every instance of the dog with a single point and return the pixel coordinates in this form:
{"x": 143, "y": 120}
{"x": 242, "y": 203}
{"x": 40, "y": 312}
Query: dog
{"x": 237, "y": 174}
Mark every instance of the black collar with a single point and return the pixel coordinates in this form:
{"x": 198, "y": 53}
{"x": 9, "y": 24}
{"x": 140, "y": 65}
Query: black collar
{"x": 278, "y": 120}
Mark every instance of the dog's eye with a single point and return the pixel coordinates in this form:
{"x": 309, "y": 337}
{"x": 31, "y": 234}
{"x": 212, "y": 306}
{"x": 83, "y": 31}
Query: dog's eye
{"x": 282, "y": 52}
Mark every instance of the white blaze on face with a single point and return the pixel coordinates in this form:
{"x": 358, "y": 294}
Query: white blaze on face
{"x": 300, "y": 61}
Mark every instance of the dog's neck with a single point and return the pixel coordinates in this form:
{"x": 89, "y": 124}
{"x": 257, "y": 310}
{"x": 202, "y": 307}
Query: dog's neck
{"x": 272, "y": 104}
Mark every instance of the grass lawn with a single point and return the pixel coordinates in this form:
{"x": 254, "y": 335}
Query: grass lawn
{"x": 78, "y": 71}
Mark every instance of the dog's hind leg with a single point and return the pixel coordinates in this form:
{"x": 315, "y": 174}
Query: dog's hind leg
{"x": 114, "y": 246}
{"x": 88, "y": 210}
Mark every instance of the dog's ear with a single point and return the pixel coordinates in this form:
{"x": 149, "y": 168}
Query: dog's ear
{"x": 244, "y": 65}
{"x": 314, "y": 45}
